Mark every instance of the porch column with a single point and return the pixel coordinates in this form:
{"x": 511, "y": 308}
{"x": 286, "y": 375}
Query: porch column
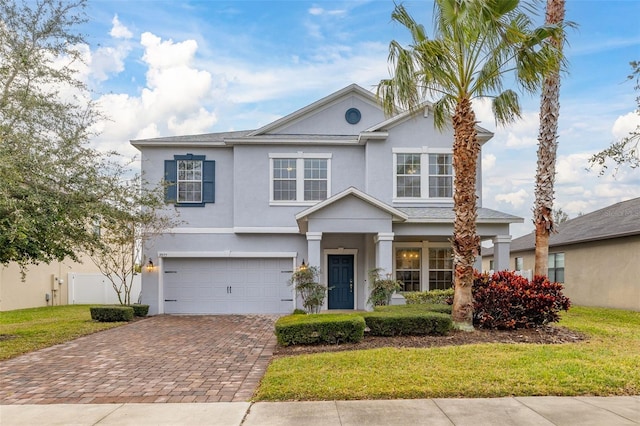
{"x": 313, "y": 249}
{"x": 384, "y": 252}
{"x": 501, "y": 252}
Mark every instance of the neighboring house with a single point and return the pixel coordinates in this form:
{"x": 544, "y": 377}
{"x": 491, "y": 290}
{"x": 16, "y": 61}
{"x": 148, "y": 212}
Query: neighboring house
{"x": 596, "y": 256}
{"x": 336, "y": 185}
{"x": 57, "y": 283}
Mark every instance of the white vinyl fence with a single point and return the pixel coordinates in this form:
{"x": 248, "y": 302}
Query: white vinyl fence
{"x": 96, "y": 288}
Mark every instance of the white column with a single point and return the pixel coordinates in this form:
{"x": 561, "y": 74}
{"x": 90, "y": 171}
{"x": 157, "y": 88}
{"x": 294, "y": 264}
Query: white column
{"x": 384, "y": 252}
{"x": 501, "y": 252}
{"x": 313, "y": 249}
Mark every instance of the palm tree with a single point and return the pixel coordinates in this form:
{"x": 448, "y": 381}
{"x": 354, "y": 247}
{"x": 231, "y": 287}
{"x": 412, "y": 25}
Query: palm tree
{"x": 547, "y": 147}
{"x": 476, "y": 43}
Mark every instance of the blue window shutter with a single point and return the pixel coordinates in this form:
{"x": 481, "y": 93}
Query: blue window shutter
{"x": 170, "y": 178}
{"x": 208, "y": 181}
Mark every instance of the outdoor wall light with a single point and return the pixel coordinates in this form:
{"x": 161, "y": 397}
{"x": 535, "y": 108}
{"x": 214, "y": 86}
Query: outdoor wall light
{"x": 303, "y": 265}
{"x": 150, "y": 265}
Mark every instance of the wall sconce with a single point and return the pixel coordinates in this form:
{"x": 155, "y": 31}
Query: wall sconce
{"x": 303, "y": 266}
{"x": 150, "y": 265}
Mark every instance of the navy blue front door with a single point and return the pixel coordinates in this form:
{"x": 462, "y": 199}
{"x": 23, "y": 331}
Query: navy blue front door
{"x": 340, "y": 281}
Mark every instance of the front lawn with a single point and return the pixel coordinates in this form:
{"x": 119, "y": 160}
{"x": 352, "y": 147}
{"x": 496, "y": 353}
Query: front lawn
{"x": 26, "y": 330}
{"x": 608, "y": 363}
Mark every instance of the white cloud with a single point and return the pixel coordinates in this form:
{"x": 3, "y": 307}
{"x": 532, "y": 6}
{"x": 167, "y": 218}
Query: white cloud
{"x": 108, "y": 60}
{"x": 176, "y": 99}
{"x": 166, "y": 54}
{"x": 625, "y": 124}
{"x": 488, "y": 161}
{"x": 516, "y": 199}
{"x": 118, "y": 30}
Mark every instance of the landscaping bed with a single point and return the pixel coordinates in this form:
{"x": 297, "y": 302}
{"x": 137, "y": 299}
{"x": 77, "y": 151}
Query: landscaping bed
{"x": 548, "y": 334}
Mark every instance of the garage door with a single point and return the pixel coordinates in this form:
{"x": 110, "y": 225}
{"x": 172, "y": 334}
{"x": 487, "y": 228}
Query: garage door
{"x": 227, "y": 286}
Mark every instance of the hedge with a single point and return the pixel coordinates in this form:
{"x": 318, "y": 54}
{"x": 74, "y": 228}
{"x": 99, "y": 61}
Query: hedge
{"x": 408, "y": 322}
{"x": 140, "y": 310}
{"x": 111, "y": 313}
{"x": 319, "y": 328}
{"x": 438, "y": 297}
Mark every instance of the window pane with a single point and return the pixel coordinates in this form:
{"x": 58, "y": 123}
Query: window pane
{"x": 315, "y": 179}
{"x": 440, "y": 176}
{"x": 408, "y": 164}
{"x": 315, "y": 190}
{"x": 408, "y": 268}
{"x": 552, "y": 261}
{"x": 440, "y": 268}
{"x": 408, "y": 186}
{"x": 284, "y": 190}
{"x": 559, "y": 260}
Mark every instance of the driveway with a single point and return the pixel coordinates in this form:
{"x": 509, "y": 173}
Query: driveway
{"x": 159, "y": 359}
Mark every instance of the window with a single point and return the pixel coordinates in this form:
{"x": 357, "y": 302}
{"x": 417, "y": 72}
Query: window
{"x": 519, "y": 264}
{"x": 408, "y": 176}
{"x": 300, "y": 178}
{"x": 190, "y": 180}
{"x": 440, "y": 268}
{"x": 408, "y": 261}
{"x": 556, "y": 267}
{"x": 421, "y": 175}
{"x": 440, "y": 176}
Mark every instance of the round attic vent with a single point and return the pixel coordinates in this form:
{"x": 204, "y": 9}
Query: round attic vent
{"x": 352, "y": 115}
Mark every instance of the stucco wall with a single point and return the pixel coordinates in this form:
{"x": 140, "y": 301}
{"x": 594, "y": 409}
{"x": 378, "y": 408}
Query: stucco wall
{"x": 39, "y": 281}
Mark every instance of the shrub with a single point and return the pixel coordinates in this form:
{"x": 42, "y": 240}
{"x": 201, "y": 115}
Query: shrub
{"x": 140, "y": 310}
{"x": 299, "y": 312}
{"x": 111, "y": 313}
{"x": 319, "y": 328}
{"x": 423, "y": 307}
{"x": 312, "y": 293}
{"x": 440, "y": 297}
{"x": 381, "y": 288}
{"x": 508, "y": 301}
{"x": 407, "y": 322}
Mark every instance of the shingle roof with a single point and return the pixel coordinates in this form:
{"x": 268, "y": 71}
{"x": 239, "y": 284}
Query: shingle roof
{"x": 619, "y": 220}
{"x": 446, "y": 214}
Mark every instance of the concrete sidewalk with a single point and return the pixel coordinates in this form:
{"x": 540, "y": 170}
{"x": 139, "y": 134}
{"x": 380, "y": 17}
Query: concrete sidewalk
{"x": 519, "y": 411}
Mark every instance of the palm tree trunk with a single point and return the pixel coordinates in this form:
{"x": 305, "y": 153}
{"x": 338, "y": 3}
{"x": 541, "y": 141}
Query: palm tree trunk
{"x": 547, "y": 148}
{"x": 465, "y": 241}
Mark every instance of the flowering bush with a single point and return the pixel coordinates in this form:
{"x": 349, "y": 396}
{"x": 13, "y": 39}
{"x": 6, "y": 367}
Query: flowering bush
{"x": 505, "y": 300}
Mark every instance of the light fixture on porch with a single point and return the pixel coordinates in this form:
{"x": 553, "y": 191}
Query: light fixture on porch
{"x": 303, "y": 265}
{"x": 150, "y": 265}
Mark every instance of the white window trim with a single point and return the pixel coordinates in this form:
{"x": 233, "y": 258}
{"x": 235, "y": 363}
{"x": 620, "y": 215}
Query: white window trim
{"x": 424, "y": 175}
{"x": 299, "y": 157}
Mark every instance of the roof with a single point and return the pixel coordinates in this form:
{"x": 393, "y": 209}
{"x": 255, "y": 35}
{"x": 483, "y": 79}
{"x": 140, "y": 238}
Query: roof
{"x": 446, "y": 214}
{"x": 616, "y": 221}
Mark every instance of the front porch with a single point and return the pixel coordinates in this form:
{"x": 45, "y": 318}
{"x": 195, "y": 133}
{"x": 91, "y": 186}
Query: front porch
{"x": 351, "y": 233}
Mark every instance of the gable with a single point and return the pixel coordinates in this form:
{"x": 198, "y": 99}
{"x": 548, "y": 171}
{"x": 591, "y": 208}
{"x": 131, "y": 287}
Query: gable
{"x": 346, "y": 112}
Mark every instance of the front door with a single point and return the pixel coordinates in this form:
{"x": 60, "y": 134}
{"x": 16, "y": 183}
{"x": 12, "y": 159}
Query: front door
{"x": 340, "y": 281}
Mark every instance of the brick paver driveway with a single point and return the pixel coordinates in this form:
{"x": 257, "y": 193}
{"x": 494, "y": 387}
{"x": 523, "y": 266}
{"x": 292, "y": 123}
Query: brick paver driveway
{"x": 159, "y": 359}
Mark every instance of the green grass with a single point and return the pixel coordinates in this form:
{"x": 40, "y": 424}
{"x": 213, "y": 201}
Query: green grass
{"x": 608, "y": 363}
{"x": 26, "y": 330}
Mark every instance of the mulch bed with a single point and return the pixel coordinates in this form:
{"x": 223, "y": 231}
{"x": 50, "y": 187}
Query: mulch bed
{"x": 541, "y": 335}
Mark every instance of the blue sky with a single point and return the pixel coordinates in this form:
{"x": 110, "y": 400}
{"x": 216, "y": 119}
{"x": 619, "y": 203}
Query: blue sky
{"x": 160, "y": 68}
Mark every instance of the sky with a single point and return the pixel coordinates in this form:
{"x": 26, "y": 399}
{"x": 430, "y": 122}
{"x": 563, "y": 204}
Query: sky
{"x": 161, "y": 68}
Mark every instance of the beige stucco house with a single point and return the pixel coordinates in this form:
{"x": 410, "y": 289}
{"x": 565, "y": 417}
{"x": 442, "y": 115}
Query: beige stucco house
{"x": 596, "y": 256}
{"x": 57, "y": 283}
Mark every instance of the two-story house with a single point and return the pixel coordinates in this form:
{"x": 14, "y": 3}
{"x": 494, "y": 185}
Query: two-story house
{"x": 335, "y": 185}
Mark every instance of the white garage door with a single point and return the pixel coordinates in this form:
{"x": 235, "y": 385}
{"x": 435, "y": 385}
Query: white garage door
{"x": 227, "y": 286}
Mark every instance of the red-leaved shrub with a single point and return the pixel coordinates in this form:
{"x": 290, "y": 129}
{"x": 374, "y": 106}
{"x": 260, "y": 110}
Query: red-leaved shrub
{"x": 505, "y": 300}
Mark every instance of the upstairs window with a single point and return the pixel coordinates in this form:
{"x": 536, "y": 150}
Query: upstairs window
{"x": 421, "y": 176}
{"x": 190, "y": 180}
{"x": 300, "y": 178}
